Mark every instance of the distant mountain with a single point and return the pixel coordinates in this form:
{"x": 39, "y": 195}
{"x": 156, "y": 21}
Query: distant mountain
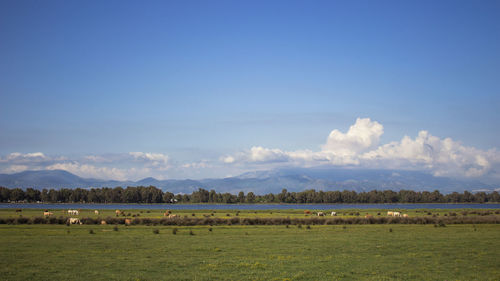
{"x": 260, "y": 182}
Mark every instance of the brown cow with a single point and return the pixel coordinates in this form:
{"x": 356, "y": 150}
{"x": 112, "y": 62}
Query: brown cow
{"x": 47, "y": 214}
{"x": 118, "y": 212}
{"x": 128, "y": 221}
{"x": 405, "y": 215}
{"x": 307, "y": 212}
{"x": 368, "y": 216}
{"x": 172, "y": 216}
{"x": 103, "y": 222}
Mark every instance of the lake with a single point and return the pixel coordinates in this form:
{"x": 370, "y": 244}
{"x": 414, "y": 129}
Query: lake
{"x": 244, "y": 206}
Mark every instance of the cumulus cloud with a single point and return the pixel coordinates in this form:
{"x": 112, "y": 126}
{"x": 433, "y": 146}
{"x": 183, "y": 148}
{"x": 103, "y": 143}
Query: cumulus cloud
{"x": 359, "y": 146}
{"x": 17, "y": 157}
{"x": 90, "y": 171}
{"x": 363, "y": 135}
{"x": 444, "y": 157}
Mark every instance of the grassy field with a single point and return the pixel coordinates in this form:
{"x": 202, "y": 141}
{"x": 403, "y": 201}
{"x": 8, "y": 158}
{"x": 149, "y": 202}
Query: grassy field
{"x": 368, "y": 252}
{"x": 241, "y": 213}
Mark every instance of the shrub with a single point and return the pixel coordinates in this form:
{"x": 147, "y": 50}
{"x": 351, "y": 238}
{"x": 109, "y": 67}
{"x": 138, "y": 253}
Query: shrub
{"x": 390, "y": 229}
{"x": 210, "y": 229}
{"x": 308, "y": 227}
{"x": 156, "y": 231}
{"x": 299, "y": 226}
{"x": 115, "y": 228}
{"x": 193, "y": 214}
{"x": 91, "y": 231}
{"x": 191, "y": 232}
{"x": 174, "y": 231}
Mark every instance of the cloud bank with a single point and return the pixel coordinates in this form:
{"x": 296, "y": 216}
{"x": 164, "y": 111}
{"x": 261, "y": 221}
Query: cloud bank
{"x": 358, "y": 147}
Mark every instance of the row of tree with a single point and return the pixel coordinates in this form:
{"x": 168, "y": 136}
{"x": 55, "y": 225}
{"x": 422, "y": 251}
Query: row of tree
{"x": 151, "y": 194}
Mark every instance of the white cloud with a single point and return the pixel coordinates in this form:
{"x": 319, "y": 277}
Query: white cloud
{"x": 444, "y": 157}
{"x": 14, "y": 169}
{"x": 90, "y": 171}
{"x": 17, "y": 157}
{"x": 363, "y": 135}
{"x": 359, "y": 147}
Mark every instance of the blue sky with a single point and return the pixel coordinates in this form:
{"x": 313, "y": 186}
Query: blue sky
{"x": 200, "y": 81}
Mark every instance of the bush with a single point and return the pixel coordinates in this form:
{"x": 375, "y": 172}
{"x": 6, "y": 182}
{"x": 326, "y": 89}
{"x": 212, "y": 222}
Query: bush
{"x": 174, "y": 231}
{"x": 191, "y": 232}
{"x": 210, "y": 229}
{"x": 91, "y": 231}
{"x": 115, "y": 228}
{"x": 156, "y": 231}
{"x": 308, "y": 227}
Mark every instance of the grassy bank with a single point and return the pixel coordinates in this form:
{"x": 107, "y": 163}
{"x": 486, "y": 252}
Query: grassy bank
{"x": 370, "y": 252}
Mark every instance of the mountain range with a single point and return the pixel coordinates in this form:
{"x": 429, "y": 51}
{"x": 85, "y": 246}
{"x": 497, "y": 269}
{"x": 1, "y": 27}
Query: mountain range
{"x": 261, "y": 182}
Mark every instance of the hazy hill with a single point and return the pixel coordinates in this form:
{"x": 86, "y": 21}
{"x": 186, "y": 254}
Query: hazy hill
{"x": 262, "y": 182}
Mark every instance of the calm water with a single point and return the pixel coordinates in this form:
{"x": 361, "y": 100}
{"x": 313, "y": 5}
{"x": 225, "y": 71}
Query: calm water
{"x": 247, "y": 206}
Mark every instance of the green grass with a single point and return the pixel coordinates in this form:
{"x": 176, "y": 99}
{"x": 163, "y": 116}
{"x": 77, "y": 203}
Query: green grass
{"x": 241, "y": 213}
{"x": 369, "y": 252}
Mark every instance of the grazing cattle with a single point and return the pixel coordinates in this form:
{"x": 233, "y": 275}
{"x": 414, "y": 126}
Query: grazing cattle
{"x": 18, "y": 210}
{"x": 73, "y": 212}
{"x": 103, "y": 222}
{"x": 47, "y": 214}
{"x": 118, "y": 212}
{"x": 128, "y": 221}
{"x": 334, "y": 214}
{"x": 166, "y": 214}
{"x": 396, "y": 214}
{"x": 390, "y": 213}
{"x": 74, "y": 221}
{"x": 172, "y": 216}
{"x": 307, "y": 212}
{"x": 320, "y": 214}
{"x": 368, "y": 216}
{"x": 405, "y": 215}
{"x": 96, "y": 212}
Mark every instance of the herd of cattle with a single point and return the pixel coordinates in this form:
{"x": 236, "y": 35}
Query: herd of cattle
{"x": 367, "y": 216}
{"x": 169, "y": 215}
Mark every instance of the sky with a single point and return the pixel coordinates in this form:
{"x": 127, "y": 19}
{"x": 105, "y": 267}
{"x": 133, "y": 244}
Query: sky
{"x": 198, "y": 89}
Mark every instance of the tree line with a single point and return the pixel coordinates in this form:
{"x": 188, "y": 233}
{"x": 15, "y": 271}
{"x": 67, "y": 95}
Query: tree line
{"x": 151, "y": 194}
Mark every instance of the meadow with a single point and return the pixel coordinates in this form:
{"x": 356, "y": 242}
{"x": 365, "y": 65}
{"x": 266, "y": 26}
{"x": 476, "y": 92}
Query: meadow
{"x": 249, "y": 252}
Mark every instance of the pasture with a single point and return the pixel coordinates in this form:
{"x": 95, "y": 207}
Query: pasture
{"x": 326, "y": 252}
{"x": 346, "y": 213}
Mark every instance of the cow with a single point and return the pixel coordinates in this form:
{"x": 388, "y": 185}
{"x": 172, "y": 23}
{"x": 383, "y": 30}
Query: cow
{"x": 18, "y": 210}
{"x": 368, "y": 216}
{"x": 390, "y": 213}
{"x": 128, "y": 221}
{"x": 74, "y": 221}
{"x": 73, "y": 212}
{"x": 96, "y": 212}
{"x": 47, "y": 214}
{"x": 405, "y": 215}
{"x": 334, "y": 214}
{"x": 321, "y": 214}
{"x": 172, "y": 216}
{"x": 396, "y": 214}
{"x": 118, "y": 212}
{"x": 307, "y": 212}
{"x": 103, "y": 222}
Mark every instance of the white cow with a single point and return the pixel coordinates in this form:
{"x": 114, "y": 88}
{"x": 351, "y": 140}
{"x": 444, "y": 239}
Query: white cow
{"x": 396, "y": 214}
{"x": 73, "y": 212}
{"x": 74, "y": 221}
{"x": 320, "y": 214}
{"x": 334, "y": 214}
{"x": 390, "y": 213}
{"x": 96, "y": 212}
